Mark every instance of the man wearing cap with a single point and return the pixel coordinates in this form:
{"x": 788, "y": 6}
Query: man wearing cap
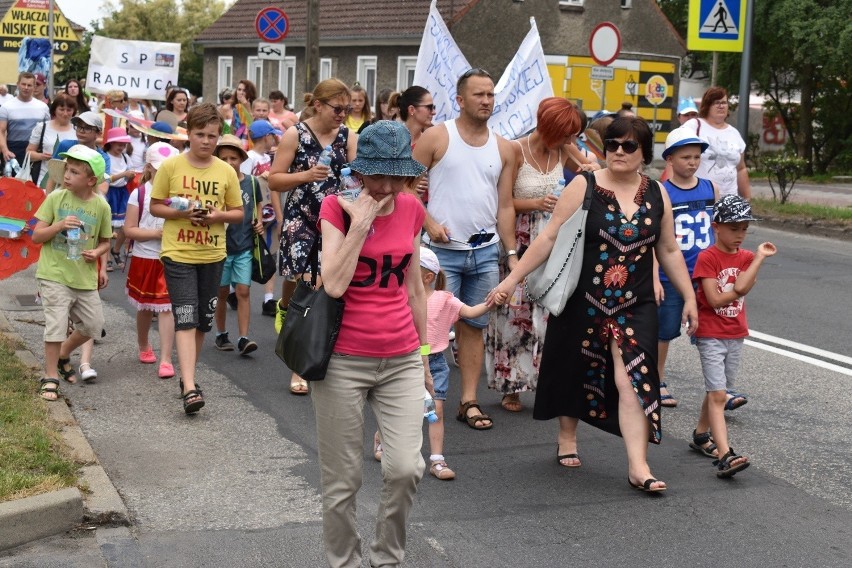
{"x": 18, "y": 117}
{"x": 470, "y": 211}
{"x": 88, "y": 127}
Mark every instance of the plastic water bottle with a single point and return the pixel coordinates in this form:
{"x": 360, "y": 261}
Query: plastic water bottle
{"x": 323, "y": 160}
{"x": 429, "y": 412}
{"x": 558, "y": 188}
{"x": 72, "y": 238}
{"x": 351, "y": 185}
{"x": 180, "y": 203}
{"x": 11, "y": 168}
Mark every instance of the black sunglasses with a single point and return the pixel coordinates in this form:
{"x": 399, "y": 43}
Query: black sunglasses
{"x": 629, "y": 146}
{"x": 475, "y": 71}
{"x": 431, "y": 107}
{"x": 338, "y": 109}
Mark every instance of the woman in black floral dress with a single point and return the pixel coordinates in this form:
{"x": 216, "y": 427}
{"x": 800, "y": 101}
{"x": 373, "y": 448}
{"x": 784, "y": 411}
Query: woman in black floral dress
{"x": 613, "y": 309}
{"x": 296, "y": 173}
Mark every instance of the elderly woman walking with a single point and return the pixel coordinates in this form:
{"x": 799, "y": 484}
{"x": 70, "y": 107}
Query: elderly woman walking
{"x": 381, "y": 355}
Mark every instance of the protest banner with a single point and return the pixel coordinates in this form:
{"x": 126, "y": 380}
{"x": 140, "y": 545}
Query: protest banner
{"x": 141, "y": 68}
{"x": 522, "y": 86}
{"x": 524, "y": 83}
{"x": 439, "y": 65}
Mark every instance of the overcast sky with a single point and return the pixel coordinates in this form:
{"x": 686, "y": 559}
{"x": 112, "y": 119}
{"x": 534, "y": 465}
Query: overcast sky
{"x": 82, "y": 11}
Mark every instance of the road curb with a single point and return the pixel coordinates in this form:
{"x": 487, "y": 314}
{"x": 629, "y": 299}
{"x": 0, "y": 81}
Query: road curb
{"x": 40, "y": 516}
{"x": 802, "y": 227}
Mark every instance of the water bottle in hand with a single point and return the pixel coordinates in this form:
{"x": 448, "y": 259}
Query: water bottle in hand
{"x": 350, "y": 184}
{"x": 557, "y": 190}
{"x": 179, "y": 203}
{"x": 72, "y": 239}
{"x": 323, "y": 160}
{"x": 429, "y": 412}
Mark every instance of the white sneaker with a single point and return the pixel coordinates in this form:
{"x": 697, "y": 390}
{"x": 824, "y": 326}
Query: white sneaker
{"x": 89, "y": 373}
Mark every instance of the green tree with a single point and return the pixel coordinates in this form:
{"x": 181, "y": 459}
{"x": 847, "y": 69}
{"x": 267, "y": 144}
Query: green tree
{"x": 76, "y": 62}
{"x": 167, "y": 21}
{"x": 801, "y": 50}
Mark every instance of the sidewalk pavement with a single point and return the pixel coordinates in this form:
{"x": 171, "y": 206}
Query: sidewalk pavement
{"x": 36, "y": 517}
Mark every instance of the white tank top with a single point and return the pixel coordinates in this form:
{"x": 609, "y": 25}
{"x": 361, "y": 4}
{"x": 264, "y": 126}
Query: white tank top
{"x": 463, "y": 189}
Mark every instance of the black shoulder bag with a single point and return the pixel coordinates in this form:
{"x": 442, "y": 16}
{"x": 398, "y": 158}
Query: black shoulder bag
{"x": 313, "y": 321}
{"x": 262, "y": 262}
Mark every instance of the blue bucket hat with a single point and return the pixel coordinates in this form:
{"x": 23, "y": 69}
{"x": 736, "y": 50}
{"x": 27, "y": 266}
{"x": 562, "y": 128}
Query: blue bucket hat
{"x": 384, "y": 148}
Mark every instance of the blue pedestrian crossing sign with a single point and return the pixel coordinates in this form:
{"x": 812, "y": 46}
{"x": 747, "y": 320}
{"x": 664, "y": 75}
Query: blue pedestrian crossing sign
{"x": 716, "y": 25}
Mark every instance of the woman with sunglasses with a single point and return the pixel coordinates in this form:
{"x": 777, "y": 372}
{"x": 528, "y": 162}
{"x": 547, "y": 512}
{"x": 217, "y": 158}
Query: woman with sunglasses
{"x": 599, "y": 358}
{"x": 296, "y": 172}
{"x": 724, "y": 161}
{"x": 416, "y": 110}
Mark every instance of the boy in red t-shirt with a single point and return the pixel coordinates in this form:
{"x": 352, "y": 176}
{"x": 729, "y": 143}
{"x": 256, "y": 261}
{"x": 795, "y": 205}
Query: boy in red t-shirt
{"x": 725, "y": 274}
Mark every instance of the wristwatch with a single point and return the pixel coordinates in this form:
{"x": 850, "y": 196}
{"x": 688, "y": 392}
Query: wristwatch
{"x": 511, "y": 252}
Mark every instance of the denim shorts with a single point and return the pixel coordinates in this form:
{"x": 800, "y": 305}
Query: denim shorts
{"x": 237, "y": 269}
{"x": 670, "y": 313}
{"x": 471, "y": 274}
{"x": 440, "y": 375}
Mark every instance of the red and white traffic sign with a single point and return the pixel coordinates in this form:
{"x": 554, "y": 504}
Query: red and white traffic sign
{"x": 272, "y": 24}
{"x": 605, "y": 43}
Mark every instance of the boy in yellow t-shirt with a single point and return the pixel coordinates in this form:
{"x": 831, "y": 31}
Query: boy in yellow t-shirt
{"x": 193, "y": 251}
{"x": 70, "y": 221}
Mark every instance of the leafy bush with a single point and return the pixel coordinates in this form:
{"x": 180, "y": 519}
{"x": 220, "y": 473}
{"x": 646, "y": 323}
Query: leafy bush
{"x": 784, "y": 170}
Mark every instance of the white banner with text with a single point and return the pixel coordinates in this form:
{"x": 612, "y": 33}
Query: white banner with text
{"x": 141, "y": 68}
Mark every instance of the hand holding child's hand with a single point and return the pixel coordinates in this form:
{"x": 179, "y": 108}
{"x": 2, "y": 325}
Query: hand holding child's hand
{"x": 767, "y": 249}
{"x": 500, "y": 294}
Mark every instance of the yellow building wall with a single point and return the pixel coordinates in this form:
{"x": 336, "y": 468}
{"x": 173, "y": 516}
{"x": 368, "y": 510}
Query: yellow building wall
{"x": 571, "y": 77}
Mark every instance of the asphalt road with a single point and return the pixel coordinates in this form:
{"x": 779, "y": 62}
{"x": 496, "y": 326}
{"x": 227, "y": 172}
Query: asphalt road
{"x": 237, "y": 486}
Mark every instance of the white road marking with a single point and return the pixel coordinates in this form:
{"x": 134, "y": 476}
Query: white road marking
{"x": 800, "y": 347}
{"x": 803, "y": 358}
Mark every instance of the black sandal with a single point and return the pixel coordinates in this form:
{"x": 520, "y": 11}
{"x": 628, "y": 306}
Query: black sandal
{"x": 726, "y": 467}
{"x": 49, "y": 386}
{"x": 116, "y": 259}
{"x": 193, "y": 400}
{"x": 67, "y": 374}
{"x": 700, "y": 444}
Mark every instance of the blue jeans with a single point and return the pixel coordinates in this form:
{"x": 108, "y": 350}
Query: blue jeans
{"x": 440, "y": 372}
{"x": 471, "y": 274}
{"x": 669, "y": 313}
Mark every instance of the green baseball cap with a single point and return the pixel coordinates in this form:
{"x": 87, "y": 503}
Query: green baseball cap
{"x": 91, "y": 157}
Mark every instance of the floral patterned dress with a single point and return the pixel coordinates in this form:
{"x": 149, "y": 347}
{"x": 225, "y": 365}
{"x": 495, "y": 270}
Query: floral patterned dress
{"x": 302, "y": 205}
{"x": 614, "y": 300}
{"x": 515, "y": 334}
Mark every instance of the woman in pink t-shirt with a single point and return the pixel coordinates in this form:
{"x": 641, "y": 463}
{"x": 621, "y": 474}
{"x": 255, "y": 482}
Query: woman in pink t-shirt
{"x": 368, "y": 248}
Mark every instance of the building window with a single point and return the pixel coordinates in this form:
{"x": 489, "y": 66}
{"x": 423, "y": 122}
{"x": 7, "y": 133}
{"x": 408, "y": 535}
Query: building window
{"x": 287, "y": 78}
{"x": 325, "y": 69}
{"x": 254, "y": 73}
{"x": 367, "y": 66}
{"x": 405, "y": 72}
{"x": 225, "y": 77}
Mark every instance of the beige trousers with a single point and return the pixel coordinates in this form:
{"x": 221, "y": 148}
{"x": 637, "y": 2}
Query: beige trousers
{"x": 394, "y": 388}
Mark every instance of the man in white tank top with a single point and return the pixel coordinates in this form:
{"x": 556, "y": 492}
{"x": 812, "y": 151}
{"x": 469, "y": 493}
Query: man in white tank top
{"x": 471, "y": 174}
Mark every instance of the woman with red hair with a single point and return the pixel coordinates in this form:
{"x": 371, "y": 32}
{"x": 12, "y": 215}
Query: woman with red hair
{"x": 515, "y": 333}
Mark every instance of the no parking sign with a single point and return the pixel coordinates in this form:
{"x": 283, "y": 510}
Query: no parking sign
{"x": 272, "y": 24}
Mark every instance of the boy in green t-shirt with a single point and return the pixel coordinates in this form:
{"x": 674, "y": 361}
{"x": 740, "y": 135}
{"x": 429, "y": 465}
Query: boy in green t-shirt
{"x": 193, "y": 245}
{"x": 69, "y": 222}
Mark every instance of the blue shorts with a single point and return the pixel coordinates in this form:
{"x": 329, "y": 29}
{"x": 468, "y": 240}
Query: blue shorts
{"x": 471, "y": 274}
{"x": 237, "y": 269}
{"x": 440, "y": 375}
{"x": 670, "y": 313}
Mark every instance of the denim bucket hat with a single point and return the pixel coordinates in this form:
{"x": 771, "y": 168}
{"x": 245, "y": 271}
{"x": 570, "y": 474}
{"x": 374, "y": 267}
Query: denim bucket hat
{"x": 384, "y": 148}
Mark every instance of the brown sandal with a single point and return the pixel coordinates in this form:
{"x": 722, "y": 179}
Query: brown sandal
{"x": 472, "y": 420}
{"x": 512, "y": 402}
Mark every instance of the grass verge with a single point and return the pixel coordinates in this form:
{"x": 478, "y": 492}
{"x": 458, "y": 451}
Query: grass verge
{"x": 33, "y": 459}
{"x": 836, "y": 216}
